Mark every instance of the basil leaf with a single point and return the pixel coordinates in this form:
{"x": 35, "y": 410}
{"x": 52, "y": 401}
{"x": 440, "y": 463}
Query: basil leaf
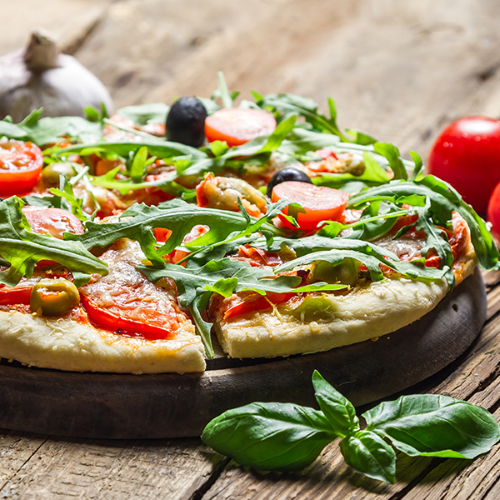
{"x": 337, "y": 409}
{"x": 368, "y": 454}
{"x": 435, "y": 426}
{"x": 269, "y": 436}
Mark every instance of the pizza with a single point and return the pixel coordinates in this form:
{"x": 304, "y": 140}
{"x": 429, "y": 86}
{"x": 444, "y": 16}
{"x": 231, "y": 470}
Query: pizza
{"x": 134, "y": 243}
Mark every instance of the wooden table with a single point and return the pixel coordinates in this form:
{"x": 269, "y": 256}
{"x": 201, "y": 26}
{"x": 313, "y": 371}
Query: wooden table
{"x": 399, "y": 70}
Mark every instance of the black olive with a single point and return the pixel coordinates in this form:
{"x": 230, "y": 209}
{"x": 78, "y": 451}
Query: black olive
{"x": 285, "y": 175}
{"x": 186, "y": 122}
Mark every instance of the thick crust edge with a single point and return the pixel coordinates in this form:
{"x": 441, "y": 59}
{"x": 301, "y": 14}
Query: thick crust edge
{"x": 65, "y": 344}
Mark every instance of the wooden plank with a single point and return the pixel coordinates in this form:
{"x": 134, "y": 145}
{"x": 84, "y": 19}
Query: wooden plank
{"x": 71, "y": 21}
{"x": 109, "y": 469}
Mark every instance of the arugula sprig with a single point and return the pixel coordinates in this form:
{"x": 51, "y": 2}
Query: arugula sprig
{"x": 443, "y": 200}
{"x": 139, "y": 221}
{"x": 225, "y": 276}
{"x": 288, "y": 437}
{"x": 23, "y": 249}
{"x": 42, "y": 131}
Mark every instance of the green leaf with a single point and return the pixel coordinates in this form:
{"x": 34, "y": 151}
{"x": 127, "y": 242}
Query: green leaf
{"x": 145, "y": 114}
{"x": 219, "y": 147}
{"x": 23, "y": 249}
{"x": 269, "y": 436}
{"x": 73, "y": 204}
{"x": 372, "y": 257}
{"x": 444, "y": 200}
{"x": 436, "y": 426}
{"x": 224, "y": 94}
{"x": 337, "y": 409}
{"x": 370, "y": 455}
{"x": 418, "y": 165}
{"x": 392, "y": 154}
{"x": 138, "y": 168}
{"x": 361, "y": 137}
{"x": 203, "y": 328}
{"x": 306, "y": 108}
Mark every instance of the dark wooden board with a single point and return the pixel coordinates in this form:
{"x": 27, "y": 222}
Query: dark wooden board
{"x": 99, "y": 405}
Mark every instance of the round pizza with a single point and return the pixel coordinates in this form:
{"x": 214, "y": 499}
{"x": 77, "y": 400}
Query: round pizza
{"x": 146, "y": 241}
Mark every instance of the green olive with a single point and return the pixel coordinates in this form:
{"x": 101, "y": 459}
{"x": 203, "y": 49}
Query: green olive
{"x": 315, "y": 308}
{"x": 54, "y": 297}
{"x": 51, "y": 173}
{"x": 346, "y": 273}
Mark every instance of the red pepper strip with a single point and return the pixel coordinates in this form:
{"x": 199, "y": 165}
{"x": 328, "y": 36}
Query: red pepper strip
{"x": 106, "y": 320}
{"x": 10, "y": 296}
{"x": 259, "y": 303}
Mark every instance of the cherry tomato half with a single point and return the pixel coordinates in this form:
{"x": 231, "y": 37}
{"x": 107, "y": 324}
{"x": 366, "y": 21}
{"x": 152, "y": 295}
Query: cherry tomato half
{"x": 53, "y": 221}
{"x": 467, "y": 155}
{"x": 320, "y": 203}
{"x": 20, "y": 166}
{"x": 237, "y": 126}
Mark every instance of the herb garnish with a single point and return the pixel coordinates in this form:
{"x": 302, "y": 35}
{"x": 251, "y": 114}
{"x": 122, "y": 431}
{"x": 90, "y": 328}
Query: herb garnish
{"x": 288, "y": 437}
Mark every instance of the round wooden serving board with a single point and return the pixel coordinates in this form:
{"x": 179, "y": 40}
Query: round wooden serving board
{"x": 98, "y": 405}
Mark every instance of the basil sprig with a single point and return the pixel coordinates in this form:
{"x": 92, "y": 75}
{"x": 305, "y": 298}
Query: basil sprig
{"x": 288, "y": 437}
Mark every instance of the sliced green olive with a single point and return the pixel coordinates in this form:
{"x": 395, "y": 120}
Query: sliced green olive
{"x": 315, "y": 308}
{"x": 51, "y": 173}
{"x": 346, "y": 273}
{"x": 54, "y": 297}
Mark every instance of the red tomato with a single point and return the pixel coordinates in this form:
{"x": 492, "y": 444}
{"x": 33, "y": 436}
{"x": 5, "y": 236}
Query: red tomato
{"x": 237, "y": 126}
{"x": 53, "y": 221}
{"x": 107, "y": 320}
{"x": 494, "y": 212}
{"x": 320, "y": 203}
{"x": 20, "y": 167}
{"x": 467, "y": 155}
{"x": 18, "y": 295}
{"x": 257, "y": 303}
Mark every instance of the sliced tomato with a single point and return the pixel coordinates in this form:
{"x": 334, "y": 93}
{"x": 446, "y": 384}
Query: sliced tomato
{"x": 20, "y": 166}
{"x": 101, "y": 318}
{"x": 320, "y": 203}
{"x": 18, "y": 295}
{"x": 53, "y": 221}
{"x": 257, "y": 303}
{"x": 237, "y": 126}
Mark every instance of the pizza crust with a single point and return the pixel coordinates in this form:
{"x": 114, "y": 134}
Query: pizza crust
{"x": 65, "y": 344}
{"x": 365, "y": 313}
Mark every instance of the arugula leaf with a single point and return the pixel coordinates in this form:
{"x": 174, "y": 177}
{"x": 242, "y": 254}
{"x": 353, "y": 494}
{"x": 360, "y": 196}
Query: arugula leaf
{"x": 159, "y": 148}
{"x": 49, "y": 130}
{"x": 23, "y": 249}
{"x": 270, "y": 436}
{"x": 392, "y": 154}
{"x": 443, "y": 201}
{"x": 307, "y": 108}
{"x": 368, "y": 454}
{"x": 68, "y": 201}
{"x": 176, "y": 215}
{"x": 223, "y": 91}
{"x": 144, "y": 114}
{"x": 434, "y": 426}
{"x": 372, "y": 262}
{"x": 337, "y": 409}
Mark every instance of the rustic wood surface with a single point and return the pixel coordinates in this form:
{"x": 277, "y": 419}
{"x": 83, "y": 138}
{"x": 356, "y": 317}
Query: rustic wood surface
{"x": 400, "y": 70}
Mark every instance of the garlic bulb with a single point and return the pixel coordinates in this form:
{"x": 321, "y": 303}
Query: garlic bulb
{"x": 41, "y": 76}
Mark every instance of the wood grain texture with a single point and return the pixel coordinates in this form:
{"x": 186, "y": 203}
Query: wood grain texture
{"x": 400, "y": 70}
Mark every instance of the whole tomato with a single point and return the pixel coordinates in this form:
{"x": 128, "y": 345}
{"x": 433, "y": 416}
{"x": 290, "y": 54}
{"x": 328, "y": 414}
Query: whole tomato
{"x": 494, "y": 212}
{"x": 467, "y": 155}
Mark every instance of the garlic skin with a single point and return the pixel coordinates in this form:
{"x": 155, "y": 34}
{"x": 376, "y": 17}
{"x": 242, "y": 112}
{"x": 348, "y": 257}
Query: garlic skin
{"x": 41, "y": 76}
